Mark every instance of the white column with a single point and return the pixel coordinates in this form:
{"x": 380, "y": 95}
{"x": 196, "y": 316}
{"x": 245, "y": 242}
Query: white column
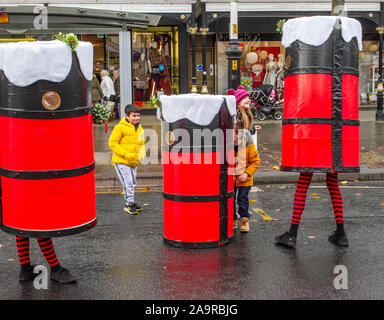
{"x": 125, "y": 52}
{"x": 233, "y": 32}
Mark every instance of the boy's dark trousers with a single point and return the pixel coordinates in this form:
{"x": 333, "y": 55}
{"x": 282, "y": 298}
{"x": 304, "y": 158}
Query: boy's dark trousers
{"x": 241, "y": 196}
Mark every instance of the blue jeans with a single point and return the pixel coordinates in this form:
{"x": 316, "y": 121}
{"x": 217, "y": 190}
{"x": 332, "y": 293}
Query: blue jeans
{"x": 241, "y": 196}
{"x": 116, "y": 108}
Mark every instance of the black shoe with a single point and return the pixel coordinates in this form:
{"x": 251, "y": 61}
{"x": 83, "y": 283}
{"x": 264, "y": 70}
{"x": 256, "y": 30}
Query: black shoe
{"x": 286, "y": 240}
{"x": 131, "y": 209}
{"x": 338, "y": 240}
{"x": 26, "y": 273}
{"x": 138, "y": 208}
{"x": 62, "y": 275}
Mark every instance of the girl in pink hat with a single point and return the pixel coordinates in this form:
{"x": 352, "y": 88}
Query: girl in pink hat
{"x": 244, "y": 114}
{"x": 244, "y": 181}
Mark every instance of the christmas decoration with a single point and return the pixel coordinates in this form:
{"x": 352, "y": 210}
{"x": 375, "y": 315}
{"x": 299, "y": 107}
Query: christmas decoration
{"x": 70, "y": 39}
{"x": 100, "y": 113}
{"x": 279, "y": 25}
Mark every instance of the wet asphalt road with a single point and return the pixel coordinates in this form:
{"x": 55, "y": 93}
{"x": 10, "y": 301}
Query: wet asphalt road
{"x": 124, "y": 257}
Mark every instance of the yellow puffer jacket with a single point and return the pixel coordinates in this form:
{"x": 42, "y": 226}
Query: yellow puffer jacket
{"x": 127, "y": 143}
{"x": 247, "y": 160}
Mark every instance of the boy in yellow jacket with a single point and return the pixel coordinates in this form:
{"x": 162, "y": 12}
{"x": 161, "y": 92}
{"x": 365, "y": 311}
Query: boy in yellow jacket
{"x": 247, "y": 162}
{"x": 127, "y": 143}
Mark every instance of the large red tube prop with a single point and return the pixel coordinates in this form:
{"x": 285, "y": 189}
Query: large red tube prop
{"x": 46, "y": 157}
{"x": 320, "y": 119}
{"x": 198, "y": 183}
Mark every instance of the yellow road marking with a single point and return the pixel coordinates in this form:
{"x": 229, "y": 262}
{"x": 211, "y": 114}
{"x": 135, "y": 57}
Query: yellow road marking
{"x": 264, "y": 215}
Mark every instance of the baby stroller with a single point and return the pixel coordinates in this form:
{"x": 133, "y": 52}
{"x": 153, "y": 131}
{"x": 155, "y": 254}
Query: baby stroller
{"x": 265, "y": 103}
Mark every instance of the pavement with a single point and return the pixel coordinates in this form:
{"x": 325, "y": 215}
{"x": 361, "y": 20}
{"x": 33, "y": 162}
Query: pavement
{"x": 124, "y": 257}
{"x": 269, "y": 146}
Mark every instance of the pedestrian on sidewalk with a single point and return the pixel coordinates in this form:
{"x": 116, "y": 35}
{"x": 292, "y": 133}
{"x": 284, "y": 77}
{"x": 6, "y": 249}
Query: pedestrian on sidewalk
{"x": 127, "y": 144}
{"x": 97, "y": 93}
{"x": 247, "y": 161}
{"x": 107, "y": 86}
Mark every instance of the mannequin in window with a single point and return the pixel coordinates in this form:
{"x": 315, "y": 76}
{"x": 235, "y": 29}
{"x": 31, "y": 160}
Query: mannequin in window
{"x": 155, "y": 60}
{"x": 271, "y": 68}
{"x": 141, "y": 78}
{"x": 280, "y": 72}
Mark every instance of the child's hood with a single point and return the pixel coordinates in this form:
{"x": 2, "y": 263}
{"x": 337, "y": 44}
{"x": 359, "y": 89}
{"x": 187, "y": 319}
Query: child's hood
{"x": 127, "y": 123}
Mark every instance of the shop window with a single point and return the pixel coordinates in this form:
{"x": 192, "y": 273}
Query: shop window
{"x": 155, "y": 64}
{"x": 261, "y": 63}
{"x": 368, "y": 72}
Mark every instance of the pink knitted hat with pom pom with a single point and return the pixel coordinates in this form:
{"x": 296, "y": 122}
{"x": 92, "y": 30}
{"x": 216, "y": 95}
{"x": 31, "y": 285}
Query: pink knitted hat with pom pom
{"x": 239, "y": 94}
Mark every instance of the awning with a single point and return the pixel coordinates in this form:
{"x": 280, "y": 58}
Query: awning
{"x": 51, "y": 20}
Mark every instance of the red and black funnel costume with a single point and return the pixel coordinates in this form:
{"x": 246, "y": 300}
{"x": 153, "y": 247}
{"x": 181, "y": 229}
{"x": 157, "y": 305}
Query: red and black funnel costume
{"x": 198, "y": 191}
{"x": 321, "y": 115}
{"x": 46, "y": 160}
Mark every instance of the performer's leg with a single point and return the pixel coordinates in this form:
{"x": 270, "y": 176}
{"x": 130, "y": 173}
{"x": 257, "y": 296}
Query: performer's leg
{"x": 26, "y": 269}
{"x": 58, "y": 273}
{"x": 23, "y": 251}
{"x": 299, "y": 201}
{"x": 289, "y": 238}
{"x": 47, "y": 249}
{"x": 339, "y": 237}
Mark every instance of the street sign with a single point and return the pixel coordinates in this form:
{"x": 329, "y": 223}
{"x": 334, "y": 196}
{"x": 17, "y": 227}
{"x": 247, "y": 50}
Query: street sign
{"x": 234, "y": 30}
{"x": 234, "y": 64}
{"x": 100, "y": 35}
{"x": 200, "y": 67}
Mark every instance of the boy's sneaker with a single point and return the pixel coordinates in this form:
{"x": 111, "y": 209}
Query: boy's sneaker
{"x": 131, "y": 209}
{"x": 286, "y": 240}
{"x": 62, "y": 275}
{"x": 338, "y": 239}
{"x": 138, "y": 208}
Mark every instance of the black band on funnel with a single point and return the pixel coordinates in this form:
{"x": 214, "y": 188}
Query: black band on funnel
{"x": 319, "y": 169}
{"x": 60, "y": 114}
{"x": 345, "y": 122}
{"x": 337, "y": 97}
{"x": 48, "y": 233}
{"x": 225, "y": 123}
{"x": 195, "y": 198}
{"x": 193, "y": 245}
{"x": 48, "y": 174}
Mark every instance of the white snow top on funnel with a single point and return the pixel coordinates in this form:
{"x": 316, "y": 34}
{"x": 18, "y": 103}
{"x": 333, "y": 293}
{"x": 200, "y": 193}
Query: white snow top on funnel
{"x": 27, "y": 62}
{"x": 316, "y": 30}
{"x": 200, "y": 109}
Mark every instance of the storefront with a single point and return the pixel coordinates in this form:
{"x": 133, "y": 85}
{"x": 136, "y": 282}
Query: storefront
{"x": 110, "y": 32}
{"x": 262, "y": 60}
{"x": 155, "y": 61}
{"x": 155, "y": 52}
